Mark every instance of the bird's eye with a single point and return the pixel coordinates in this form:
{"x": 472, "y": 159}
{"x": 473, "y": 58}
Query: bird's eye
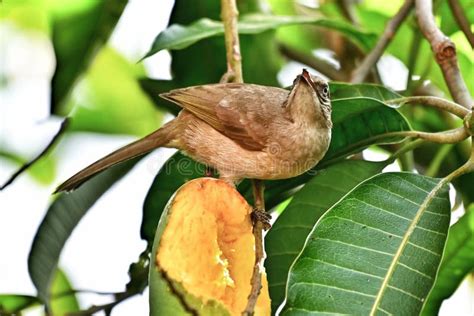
{"x": 326, "y": 90}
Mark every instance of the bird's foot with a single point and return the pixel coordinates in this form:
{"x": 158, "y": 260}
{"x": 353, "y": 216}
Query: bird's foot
{"x": 259, "y": 215}
{"x": 209, "y": 172}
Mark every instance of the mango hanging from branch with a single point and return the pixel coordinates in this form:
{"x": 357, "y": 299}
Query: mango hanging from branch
{"x": 204, "y": 253}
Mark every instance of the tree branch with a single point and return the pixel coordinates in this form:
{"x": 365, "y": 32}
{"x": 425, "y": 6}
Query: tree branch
{"x": 462, "y": 21}
{"x": 229, "y": 16}
{"x": 445, "y": 53}
{"x": 361, "y": 72}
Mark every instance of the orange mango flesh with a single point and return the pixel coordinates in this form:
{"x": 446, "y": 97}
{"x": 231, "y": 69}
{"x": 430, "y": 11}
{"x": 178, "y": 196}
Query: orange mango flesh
{"x": 208, "y": 245}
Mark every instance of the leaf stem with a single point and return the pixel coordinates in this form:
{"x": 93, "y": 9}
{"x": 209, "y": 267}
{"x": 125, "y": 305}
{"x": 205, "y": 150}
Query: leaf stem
{"x": 435, "y": 102}
{"x": 447, "y": 137}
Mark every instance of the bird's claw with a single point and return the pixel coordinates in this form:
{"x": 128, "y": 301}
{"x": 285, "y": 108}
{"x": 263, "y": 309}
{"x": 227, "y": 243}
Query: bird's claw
{"x": 259, "y": 215}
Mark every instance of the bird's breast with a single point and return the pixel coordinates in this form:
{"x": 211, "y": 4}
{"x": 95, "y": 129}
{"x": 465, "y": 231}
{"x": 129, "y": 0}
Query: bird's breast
{"x": 299, "y": 150}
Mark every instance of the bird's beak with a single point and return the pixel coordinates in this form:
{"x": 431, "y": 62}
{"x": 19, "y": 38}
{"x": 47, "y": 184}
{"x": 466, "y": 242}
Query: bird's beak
{"x": 307, "y": 77}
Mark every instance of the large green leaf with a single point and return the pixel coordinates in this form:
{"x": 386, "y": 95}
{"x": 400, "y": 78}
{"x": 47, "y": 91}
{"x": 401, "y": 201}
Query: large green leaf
{"x": 60, "y": 220}
{"x": 14, "y": 303}
{"x": 376, "y": 251}
{"x": 360, "y": 122}
{"x": 458, "y": 261}
{"x": 178, "y": 36}
{"x": 63, "y": 299}
{"x": 76, "y": 38}
{"x": 286, "y": 238}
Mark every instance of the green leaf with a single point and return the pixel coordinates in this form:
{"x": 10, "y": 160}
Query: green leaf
{"x": 376, "y": 251}
{"x": 60, "y": 220}
{"x": 211, "y": 51}
{"x": 286, "y": 238}
{"x": 361, "y": 122}
{"x": 14, "y": 303}
{"x": 178, "y": 36}
{"x": 63, "y": 300}
{"x": 153, "y": 87}
{"x": 76, "y": 38}
{"x": 458, "y": 261}
{"x": 112, "y": 100}
{"x": 340, "y": 90}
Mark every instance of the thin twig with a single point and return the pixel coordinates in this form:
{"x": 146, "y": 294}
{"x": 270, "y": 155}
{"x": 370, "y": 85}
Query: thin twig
{"x": 463, "y": 22}
{"x": 229, "y": 15}
{"x": 445, "y": 53}
{"x": 107, "y": 308}
{"x": 51, "y": 144}
{"x": 312, "y": 61}
{"x": 369, "y": 61}
{"x": 435, "y": 102}
{"x": 256, "y": 280}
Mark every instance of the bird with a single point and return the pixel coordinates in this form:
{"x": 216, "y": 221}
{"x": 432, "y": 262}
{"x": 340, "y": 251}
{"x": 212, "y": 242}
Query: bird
{"x": 241, "y": 130}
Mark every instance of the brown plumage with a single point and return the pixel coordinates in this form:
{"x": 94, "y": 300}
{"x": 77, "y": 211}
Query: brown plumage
{"x": 242, "y": 130}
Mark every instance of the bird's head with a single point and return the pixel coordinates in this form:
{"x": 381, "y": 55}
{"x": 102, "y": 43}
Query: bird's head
{"x": 312, "y": 91}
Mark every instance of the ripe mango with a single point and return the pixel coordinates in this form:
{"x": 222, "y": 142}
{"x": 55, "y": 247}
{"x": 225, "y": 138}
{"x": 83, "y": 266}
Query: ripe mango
{"x": 204, "y": 253}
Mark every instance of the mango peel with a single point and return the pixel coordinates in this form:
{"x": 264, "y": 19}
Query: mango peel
{"x": 204, "y": 253}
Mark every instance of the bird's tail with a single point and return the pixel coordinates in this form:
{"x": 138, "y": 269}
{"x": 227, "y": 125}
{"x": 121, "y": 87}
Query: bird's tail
{"x": 140, "y": 147}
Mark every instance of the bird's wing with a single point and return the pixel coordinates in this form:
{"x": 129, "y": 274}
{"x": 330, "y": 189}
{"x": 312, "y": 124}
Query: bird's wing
{"x": 243, "y": 112}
